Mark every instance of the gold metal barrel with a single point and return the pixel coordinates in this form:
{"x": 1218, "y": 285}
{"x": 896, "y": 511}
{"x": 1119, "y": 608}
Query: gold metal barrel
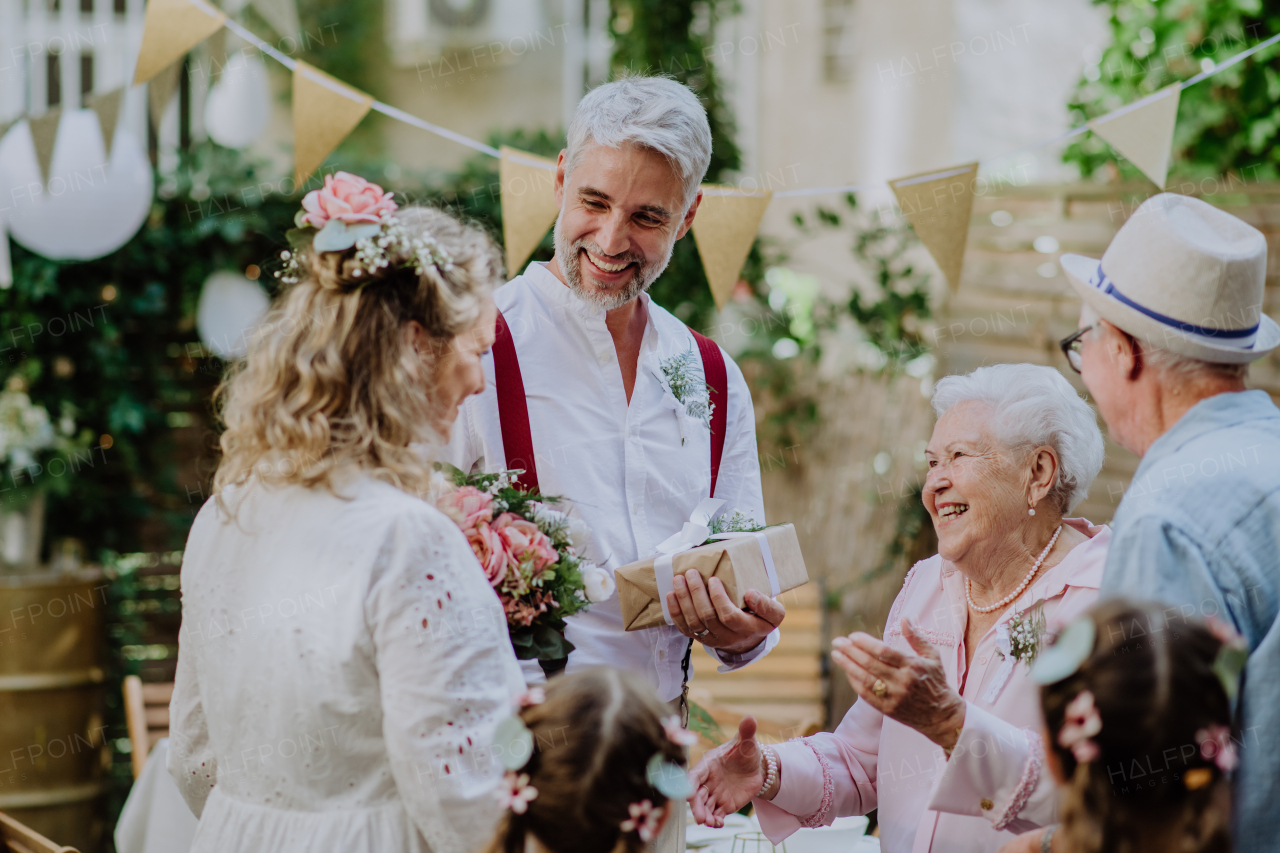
{"x": 52, "y": 732}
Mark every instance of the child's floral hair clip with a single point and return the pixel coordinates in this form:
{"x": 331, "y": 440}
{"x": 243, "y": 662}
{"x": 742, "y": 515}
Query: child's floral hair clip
{"x": 515, "y": 792}
{"x": 677, "y": 733}
{"x": 1081, "y": 724}
{"x": 1217, "y": 746}
{"x": 352, "y": 212}
{"x": 644, "y": 819}
{"x": 529, "y": 698}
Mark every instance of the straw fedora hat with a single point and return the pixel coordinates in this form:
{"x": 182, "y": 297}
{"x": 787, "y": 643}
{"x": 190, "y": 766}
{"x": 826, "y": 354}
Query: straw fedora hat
{"x": 1185, "y": 276}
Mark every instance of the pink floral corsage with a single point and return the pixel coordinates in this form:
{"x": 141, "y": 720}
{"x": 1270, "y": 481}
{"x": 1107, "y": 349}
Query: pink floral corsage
{"x": 516, "y": 793}
{"x": 1081, "y": 724}
{"x": 645, "y": 817}
{"x": 1216, "y": 746}
{"x": 677, "y": 733}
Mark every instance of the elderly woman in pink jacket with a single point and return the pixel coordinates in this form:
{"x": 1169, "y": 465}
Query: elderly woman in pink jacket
{"x": 944, "y": 740}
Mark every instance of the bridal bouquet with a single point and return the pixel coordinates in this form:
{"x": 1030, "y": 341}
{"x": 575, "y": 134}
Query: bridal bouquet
{"x": 532, "y": 555}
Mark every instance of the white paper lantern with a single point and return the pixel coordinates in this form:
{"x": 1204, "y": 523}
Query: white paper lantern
{"x": 238, "y": 106}
{"x": 90, "y": 206}
{"x": 230, "y": 307}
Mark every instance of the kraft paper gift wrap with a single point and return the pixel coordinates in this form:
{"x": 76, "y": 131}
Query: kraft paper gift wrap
{"x": 737, "y": 562}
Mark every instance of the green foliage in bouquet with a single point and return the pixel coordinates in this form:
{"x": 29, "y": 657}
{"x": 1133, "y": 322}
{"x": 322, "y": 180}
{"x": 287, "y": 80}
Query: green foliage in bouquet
{"x": 1227, "y": 124}
{"x": 539, "y": 576}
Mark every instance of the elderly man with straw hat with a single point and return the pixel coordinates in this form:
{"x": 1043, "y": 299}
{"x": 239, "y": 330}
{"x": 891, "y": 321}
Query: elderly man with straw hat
{"x": 1172, "y": 318}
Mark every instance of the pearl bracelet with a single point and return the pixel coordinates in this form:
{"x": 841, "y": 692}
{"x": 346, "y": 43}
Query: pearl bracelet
{"x": 769, "y": 762}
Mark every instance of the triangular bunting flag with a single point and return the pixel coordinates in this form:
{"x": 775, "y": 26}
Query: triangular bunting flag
{"x": 160, "y": 90}
{"x": 44, "y": 133}
{"x": 107, "y": 106}
{"x": 172, "y": 28}
{"x": 1144, "y": 134}
{"x": 938, "y": 206}
{"x": 725, "y": 228}
{"x": 325, "y": 110}
{"x": 528, "y": 203}
{"x": 282, "y": 15}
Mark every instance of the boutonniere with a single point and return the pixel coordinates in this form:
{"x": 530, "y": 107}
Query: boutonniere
{"x": 1026, "y": 634}
{"x": 687, "y": 389}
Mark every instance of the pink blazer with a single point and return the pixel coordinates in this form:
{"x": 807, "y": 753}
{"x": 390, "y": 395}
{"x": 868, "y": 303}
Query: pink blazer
{"x": 996, "y": 783}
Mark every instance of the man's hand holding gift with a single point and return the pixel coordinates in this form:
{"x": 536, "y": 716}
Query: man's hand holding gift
{"x": 703, "y": 611}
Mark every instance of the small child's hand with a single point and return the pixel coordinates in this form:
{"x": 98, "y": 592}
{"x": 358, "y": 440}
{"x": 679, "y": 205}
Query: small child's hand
{"x": 728, "y": 777}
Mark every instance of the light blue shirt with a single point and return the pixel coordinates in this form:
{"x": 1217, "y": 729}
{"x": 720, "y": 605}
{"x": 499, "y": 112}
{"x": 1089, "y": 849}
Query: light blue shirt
{"x": 1199, "y": 527}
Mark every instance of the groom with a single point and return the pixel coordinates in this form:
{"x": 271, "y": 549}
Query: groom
{"x": 578, "y": 389}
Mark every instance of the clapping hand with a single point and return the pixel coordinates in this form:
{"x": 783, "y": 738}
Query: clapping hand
{"x": 910, "y": 688}
{"x": 728, "y": 777}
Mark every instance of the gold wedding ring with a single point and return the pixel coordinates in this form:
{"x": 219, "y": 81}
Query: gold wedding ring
{"x": 879, "y": 688}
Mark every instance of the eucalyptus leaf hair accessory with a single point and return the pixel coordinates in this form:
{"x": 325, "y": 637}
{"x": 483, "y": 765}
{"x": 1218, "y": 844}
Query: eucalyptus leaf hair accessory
{"x": 1063, "y": 658}
{"x": 668, "y": 778}
{"x": 515, "y": 741}
{"x": 1231, "y": 658}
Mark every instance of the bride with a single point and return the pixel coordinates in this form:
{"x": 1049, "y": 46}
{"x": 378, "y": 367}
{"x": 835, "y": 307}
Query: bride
{"x": 343, "y": 662}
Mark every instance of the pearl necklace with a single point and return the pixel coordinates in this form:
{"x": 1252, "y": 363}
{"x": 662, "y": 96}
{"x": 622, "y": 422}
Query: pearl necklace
{"x": 1025, "y": 581}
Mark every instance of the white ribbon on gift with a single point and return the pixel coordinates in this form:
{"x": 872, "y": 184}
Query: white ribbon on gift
{"x": 769, "y": 568}
{"x": 695, "y": 531}
{"x": 1005, "y": 647}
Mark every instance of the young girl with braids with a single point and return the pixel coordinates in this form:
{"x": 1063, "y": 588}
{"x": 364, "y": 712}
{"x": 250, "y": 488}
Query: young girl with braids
{"x": 1135, "y": 700}
{"x": 605, "y": 769}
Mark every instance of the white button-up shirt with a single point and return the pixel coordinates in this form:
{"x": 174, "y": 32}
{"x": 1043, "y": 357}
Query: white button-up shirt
{"x": 634, "y": 473}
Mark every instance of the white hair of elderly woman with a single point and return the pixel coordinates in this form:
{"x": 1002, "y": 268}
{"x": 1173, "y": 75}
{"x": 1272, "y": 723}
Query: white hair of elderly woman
{"x": 1035, "y": 406}
{"x": 655, "y": 112}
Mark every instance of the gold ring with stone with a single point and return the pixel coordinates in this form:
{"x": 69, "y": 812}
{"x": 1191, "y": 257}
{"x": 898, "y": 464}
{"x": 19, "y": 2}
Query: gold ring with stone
{"x": 879, "y": 688}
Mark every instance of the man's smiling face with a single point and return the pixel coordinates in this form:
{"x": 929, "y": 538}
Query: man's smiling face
{"x": 621, "y": 212}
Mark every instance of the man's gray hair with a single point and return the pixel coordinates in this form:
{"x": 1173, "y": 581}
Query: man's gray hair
{"x": 654, "y": 112}
{"x": 1034, "y": 406}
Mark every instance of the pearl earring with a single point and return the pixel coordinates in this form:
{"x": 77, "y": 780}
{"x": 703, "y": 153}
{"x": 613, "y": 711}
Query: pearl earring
{"x": 1031, "y": 512}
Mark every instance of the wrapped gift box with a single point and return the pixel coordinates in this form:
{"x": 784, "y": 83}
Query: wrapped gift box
{"x": 738, "y": 563}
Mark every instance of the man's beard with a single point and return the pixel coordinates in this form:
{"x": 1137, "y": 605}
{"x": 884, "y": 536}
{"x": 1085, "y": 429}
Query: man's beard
{"x": 645, "y": 273}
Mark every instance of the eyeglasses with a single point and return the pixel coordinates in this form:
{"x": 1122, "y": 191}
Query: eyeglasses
{"x": 1071, "y": 346}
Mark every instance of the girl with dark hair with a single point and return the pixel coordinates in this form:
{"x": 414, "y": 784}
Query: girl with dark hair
{"x": 605, "y": 767}
{"x": 1136, "y": 702}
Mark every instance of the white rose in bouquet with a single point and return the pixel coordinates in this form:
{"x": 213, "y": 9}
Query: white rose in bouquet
{"x": 598, "y": 583}
{"x": 579, "y": 534}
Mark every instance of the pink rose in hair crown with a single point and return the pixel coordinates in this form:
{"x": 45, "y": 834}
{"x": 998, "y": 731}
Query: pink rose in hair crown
{"x": 525, "y": 541}
{"x": 348, "y": 198}
{"x": 467, "y": 506}
{"x": 490, "y": 550}
{"x": 1081, "y": 723}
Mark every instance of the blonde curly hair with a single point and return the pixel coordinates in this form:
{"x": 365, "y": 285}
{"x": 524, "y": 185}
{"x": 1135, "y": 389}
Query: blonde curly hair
{"x": 329, "y": 381}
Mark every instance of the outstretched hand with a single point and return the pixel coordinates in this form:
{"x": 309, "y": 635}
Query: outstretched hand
{"x": 728, "y": 777}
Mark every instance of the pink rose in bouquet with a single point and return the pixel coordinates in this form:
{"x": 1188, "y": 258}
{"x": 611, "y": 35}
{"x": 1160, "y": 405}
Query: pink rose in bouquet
{"x": 467, "y": 506}
{"x": 525, "y": 541}
{"x": 491, "y": 551}
{"x": 348, "y": 198}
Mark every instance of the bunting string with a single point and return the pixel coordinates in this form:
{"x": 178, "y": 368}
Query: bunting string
{"x": 407, "y": 118}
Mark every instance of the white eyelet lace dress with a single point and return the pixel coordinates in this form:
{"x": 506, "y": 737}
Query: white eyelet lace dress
{"x": 342, "y": 666}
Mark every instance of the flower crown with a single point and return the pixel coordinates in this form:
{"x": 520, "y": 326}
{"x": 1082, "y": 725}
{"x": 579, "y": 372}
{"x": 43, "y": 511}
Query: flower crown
{"x": 352, "y": 212}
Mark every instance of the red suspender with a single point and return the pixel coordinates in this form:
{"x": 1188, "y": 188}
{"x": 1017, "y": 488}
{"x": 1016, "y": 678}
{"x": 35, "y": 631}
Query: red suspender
{"x": 513, "y": 408}
{"x": 717, "y": 379}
